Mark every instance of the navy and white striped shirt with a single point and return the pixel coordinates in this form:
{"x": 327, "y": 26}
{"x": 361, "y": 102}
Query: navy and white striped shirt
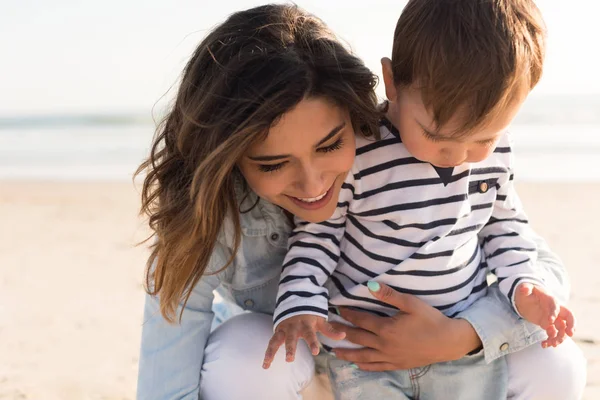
{"x": 434, "y": 233}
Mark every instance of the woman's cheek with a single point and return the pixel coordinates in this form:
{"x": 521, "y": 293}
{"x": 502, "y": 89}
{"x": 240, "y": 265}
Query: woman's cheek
{"x": 270, "y": 186}
{"x": 261, "y": 183}
{"x": 347, "y": 159}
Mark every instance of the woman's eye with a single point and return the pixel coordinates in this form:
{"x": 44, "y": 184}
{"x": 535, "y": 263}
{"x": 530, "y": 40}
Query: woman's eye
{"x": 332, "y": 147}
{"x": 270, "y": 168}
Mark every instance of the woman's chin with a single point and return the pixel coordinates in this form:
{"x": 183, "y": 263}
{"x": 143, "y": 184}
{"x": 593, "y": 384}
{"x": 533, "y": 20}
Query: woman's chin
{"x": 314, "y": 216}
{"x": 317, "y": 215}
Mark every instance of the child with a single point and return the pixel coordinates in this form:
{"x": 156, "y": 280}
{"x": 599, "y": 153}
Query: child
{"x": 430, "y": 208}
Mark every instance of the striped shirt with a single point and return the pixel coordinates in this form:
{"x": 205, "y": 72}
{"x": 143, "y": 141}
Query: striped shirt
{"x": 430, "y": 232}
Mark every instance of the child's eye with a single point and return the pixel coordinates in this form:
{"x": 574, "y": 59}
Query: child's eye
{"x": 487, "y": 143}
{"x": 332, "y": 147}
{"x": 270, "y": 167}
{"x": 431, "y": 137}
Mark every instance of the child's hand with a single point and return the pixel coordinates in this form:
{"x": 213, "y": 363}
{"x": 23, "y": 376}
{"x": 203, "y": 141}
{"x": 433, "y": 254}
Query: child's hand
{"x": 538, "y": 307}
{"x": 299, "y": 327}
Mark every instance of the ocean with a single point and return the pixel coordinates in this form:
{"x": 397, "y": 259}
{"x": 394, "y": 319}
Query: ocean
{"x": 556, "y": 140}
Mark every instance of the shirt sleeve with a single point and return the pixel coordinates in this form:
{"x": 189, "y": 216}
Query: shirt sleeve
{"x": 171, "y": 355}
{"x": 501, "y": 331}
{"x": 508, "y": 240}
{"x": 313, "y": 254}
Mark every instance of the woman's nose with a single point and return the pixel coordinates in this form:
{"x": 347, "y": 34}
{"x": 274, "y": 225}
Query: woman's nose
{"x": 310, "y": 182}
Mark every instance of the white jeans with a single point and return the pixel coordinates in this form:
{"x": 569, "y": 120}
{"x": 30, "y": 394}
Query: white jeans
{"x": 232, "y": 368}
{"x": 552, "y": 373}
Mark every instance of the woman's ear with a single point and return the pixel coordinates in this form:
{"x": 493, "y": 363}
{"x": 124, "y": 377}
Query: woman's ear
{"x": 388, "y": 79}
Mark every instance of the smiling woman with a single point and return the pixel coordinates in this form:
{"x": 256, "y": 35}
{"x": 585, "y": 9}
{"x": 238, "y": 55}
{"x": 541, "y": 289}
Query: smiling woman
{"x": 316, "y": 138}
{"x": 263, "y": 125}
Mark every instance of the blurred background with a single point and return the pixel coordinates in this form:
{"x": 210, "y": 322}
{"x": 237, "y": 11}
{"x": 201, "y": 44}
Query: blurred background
{"x": 81, "y": 84}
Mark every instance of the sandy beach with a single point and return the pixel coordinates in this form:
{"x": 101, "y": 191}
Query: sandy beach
{"x": 71, "y": 283}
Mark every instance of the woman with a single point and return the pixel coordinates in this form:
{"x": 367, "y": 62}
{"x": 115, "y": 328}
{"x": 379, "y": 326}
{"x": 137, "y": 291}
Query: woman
{"x": 269, "y": 103}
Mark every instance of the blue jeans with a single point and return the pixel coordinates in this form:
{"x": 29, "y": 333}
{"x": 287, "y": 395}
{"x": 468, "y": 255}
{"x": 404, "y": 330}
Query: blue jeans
{"x": 469, "y": 378}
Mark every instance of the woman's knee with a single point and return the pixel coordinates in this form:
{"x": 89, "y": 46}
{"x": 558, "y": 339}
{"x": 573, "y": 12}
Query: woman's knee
{"x": 233, "y": 356}
{"x": 552, "y": 373}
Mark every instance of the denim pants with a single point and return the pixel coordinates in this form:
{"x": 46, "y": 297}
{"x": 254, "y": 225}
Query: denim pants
{"x": 469, "y": 378}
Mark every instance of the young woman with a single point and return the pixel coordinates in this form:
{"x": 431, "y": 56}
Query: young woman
{"x": 263, "y": 128}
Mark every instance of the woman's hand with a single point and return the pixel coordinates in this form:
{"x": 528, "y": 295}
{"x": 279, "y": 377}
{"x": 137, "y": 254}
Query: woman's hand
{"x": 418, "y": 335}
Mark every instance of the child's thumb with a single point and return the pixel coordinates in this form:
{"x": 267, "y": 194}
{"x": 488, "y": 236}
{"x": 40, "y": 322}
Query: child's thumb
{"x": 525, "y": 289}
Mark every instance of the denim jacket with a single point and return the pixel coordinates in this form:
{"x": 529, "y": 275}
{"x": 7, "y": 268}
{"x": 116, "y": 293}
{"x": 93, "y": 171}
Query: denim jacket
{"x": 172, "y": 354}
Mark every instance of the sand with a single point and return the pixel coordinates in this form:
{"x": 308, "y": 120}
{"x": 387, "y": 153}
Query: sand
{"x": 71, "y": 293}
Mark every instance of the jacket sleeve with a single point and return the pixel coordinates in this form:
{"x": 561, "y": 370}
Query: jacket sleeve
{"x": 500, "y": 330}
{"x": 171, "y": 355}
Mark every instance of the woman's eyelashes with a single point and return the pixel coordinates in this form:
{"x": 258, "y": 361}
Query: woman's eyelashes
{"x": 332, "y": 147}
{"x": 326, "y": 149}
{"x": 271, "y": 167}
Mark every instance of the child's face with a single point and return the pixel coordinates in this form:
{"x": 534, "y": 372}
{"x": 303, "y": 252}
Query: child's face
{"x": 303, "y": 162}
{"x": 437, "y": 146}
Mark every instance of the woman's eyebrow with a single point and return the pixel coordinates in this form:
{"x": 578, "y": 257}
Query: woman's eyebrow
{"x": 269, "y": 158}
{"x": 331, "y": 134}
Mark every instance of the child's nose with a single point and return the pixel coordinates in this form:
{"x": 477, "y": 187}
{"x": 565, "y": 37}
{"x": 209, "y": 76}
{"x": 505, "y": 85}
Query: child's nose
{"x": 454, "y": 157}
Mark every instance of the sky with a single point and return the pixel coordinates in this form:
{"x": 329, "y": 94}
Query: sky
{"x": 121, "y": 56}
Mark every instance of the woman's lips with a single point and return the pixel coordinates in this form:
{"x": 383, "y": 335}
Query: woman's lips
{"x": 313, "y": 204}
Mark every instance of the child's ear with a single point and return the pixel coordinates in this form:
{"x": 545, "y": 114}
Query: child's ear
{"x": 388, "y": 79}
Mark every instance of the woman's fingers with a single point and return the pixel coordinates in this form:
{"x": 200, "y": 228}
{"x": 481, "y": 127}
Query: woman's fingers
{"x": 330, "y": 331}
{"x": 362, "y": 319}
{"x": 404, "y": 302}
{"x": 361, "y": 356}
{"x": 377, "y": 366}
{"x": 275, "y": 343}
{"x": 358, "y": 336}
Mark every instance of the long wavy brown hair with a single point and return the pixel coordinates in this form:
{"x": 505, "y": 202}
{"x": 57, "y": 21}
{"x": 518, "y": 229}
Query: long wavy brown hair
{"x": 243, "y": 76}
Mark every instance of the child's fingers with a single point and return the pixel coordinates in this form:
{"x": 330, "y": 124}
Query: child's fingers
{"x": 328, "y": 330}
{"x": 274, "y": 344}
{"x": 549, "y": 304}
{"x": 561, "y": 326}
{"x": 291, "y": 341}
{"x": 551, "y": 331}
{"x": 551, "y": 342}
{"x": 310, "y": 337}
{"x": 566, "y": 315}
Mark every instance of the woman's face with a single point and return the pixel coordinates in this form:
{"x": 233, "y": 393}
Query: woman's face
{"x": 303, "y": 162}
